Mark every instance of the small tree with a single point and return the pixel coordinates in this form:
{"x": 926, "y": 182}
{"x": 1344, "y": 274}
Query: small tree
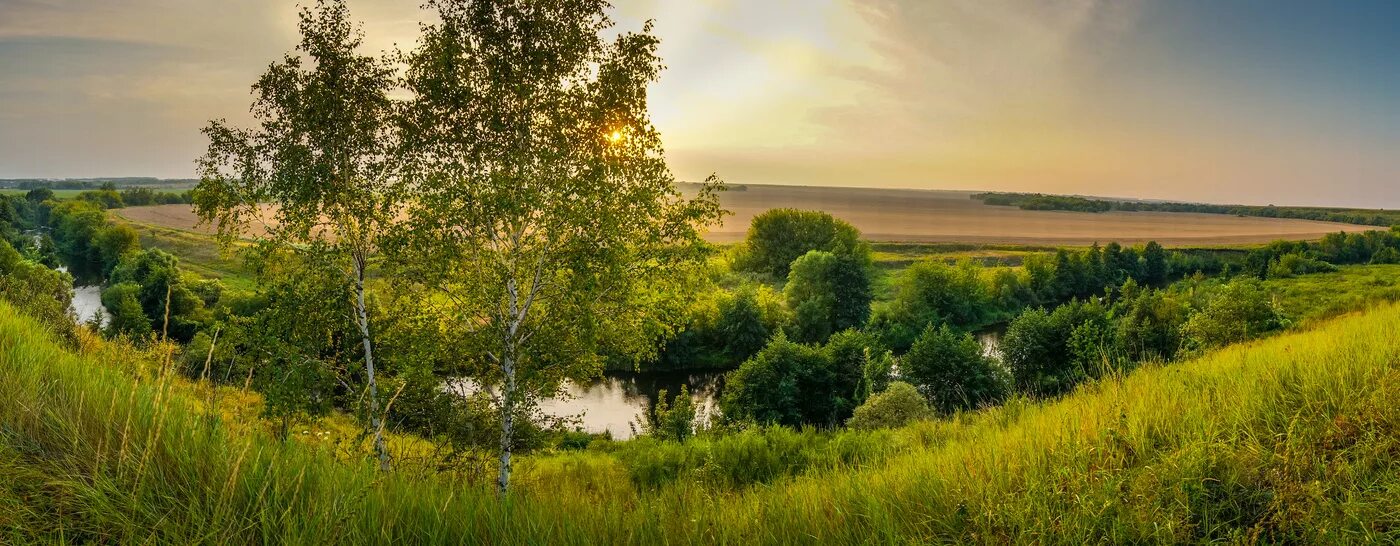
{"x": 950, "y": 370}
{"x": 932, "y": 292}
{"x": 673, "y": 420}
{"x": 740, "y": 326}
{"x": 1154, "y": 264}
{"x": 545, "y": 213}
{"x": 856, "y": 358}
{"x": 894, "y": 407}
{"x": 1037, "y": 348}
{"x": 321, "y": 157}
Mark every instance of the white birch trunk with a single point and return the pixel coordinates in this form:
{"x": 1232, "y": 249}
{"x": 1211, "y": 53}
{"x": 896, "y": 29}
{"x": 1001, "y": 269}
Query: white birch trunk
{"x": 380, "y": 449}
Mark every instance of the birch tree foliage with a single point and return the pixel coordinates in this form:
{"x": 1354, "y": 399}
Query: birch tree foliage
{"x": 320, "y": 156}
{"x": 544, "y": 210}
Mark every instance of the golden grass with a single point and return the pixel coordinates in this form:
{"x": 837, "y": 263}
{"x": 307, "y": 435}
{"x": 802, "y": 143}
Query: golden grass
{"x": 1291, "y": 439}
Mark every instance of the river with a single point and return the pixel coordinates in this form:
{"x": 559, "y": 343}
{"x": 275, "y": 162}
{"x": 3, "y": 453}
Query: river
{"x": 87, "y": 302}
{"x": 613, "y": 402}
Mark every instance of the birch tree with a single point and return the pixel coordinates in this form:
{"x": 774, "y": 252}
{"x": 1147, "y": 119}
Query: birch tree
{"x": 315, "y": 175}
{"x": 544, "y": 211}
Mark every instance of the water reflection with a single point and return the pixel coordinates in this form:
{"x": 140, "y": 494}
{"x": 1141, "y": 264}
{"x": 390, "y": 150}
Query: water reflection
{"x": 87, "y": 305}
{"x": 991, "y": 341}
{"x": 616, "y": 400}
{"x": 87, "y": 302}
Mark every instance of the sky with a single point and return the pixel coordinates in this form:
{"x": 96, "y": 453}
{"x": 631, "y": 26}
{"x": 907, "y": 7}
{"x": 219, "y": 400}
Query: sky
{"x": 1287, "y": 102}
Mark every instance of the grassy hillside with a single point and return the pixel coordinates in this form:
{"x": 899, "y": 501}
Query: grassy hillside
{"x": 1295, "y": 438}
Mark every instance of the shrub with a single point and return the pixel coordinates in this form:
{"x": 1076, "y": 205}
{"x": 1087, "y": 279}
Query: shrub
{"x": 951, "y": 372}
{"x": 1037, "y": 347}
{"x": 674, "y": 420}
{"x": 1150, "y": 326}
{"x": 1241, "y": 310}
{"x": 786, "y": 383}
{"x": 38, "y": 291}
{"x": 1296, "y": 263}
{"x": 895, "y": 407}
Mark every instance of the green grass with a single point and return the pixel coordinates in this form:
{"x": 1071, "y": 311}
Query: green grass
{"x": 1309, "y": 298}
{"x": 1291, "y": 439}
{"x": 198, "y": 253}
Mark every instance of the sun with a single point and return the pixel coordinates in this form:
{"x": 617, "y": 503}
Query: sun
{"x": 615, "y": 136}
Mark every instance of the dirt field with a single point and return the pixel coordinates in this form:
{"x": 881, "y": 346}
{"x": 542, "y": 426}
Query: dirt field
{"x": 951, "y": 216}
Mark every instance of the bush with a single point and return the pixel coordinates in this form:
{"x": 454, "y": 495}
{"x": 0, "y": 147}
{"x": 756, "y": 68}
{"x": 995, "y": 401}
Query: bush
{"x": 674, "y": 420}
{"x": 786, "y": 383}
{"x": 779, "y": 236}
{"x": 1240, "y": 311}
{"x": 1150, "y": 326}
{"x": 1296, "y": 263}
{"x": 951, "y": 372}
{"x": 1037, "y": 347}
{"x": 38, "y": 291}
{"x": 897, "y": 406}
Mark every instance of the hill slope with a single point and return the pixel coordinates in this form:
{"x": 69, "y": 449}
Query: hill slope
{"x": 1295, "y": 438}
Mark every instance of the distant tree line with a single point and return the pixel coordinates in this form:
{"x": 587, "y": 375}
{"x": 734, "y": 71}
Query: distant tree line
{"x": 92, "y": 183}
{"x": 1038, "y": 201}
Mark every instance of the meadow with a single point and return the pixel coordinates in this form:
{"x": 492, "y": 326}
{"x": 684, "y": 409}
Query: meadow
{"x": 1281, "y": 440}
{"x": 928, "y": 216}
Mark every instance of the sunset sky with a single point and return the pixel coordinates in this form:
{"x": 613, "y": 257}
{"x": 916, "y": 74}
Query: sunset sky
{"x": 1286, "y": 102}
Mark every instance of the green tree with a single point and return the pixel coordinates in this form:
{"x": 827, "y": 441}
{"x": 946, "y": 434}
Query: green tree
{"x": 932, "y": 292}
{"x": 851, "y": 354}
{"x": 779, "y": 236}
{"x": 322, "y": 157}
{"x": 1150, "y": 326}
{"x": 894, "y": 407}
{"x": 160, "y": 290}
{"x": 42, "y": 293}
{"x": 545, "y": 211}
{"x": 740, "y": 326}
{"x": 123, "y": 304}
{"x": 115, "y": 241}
{"x": 827, "y": 293}
{"x": 949, "y": 369}
{"x": 1154, "y": 264}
